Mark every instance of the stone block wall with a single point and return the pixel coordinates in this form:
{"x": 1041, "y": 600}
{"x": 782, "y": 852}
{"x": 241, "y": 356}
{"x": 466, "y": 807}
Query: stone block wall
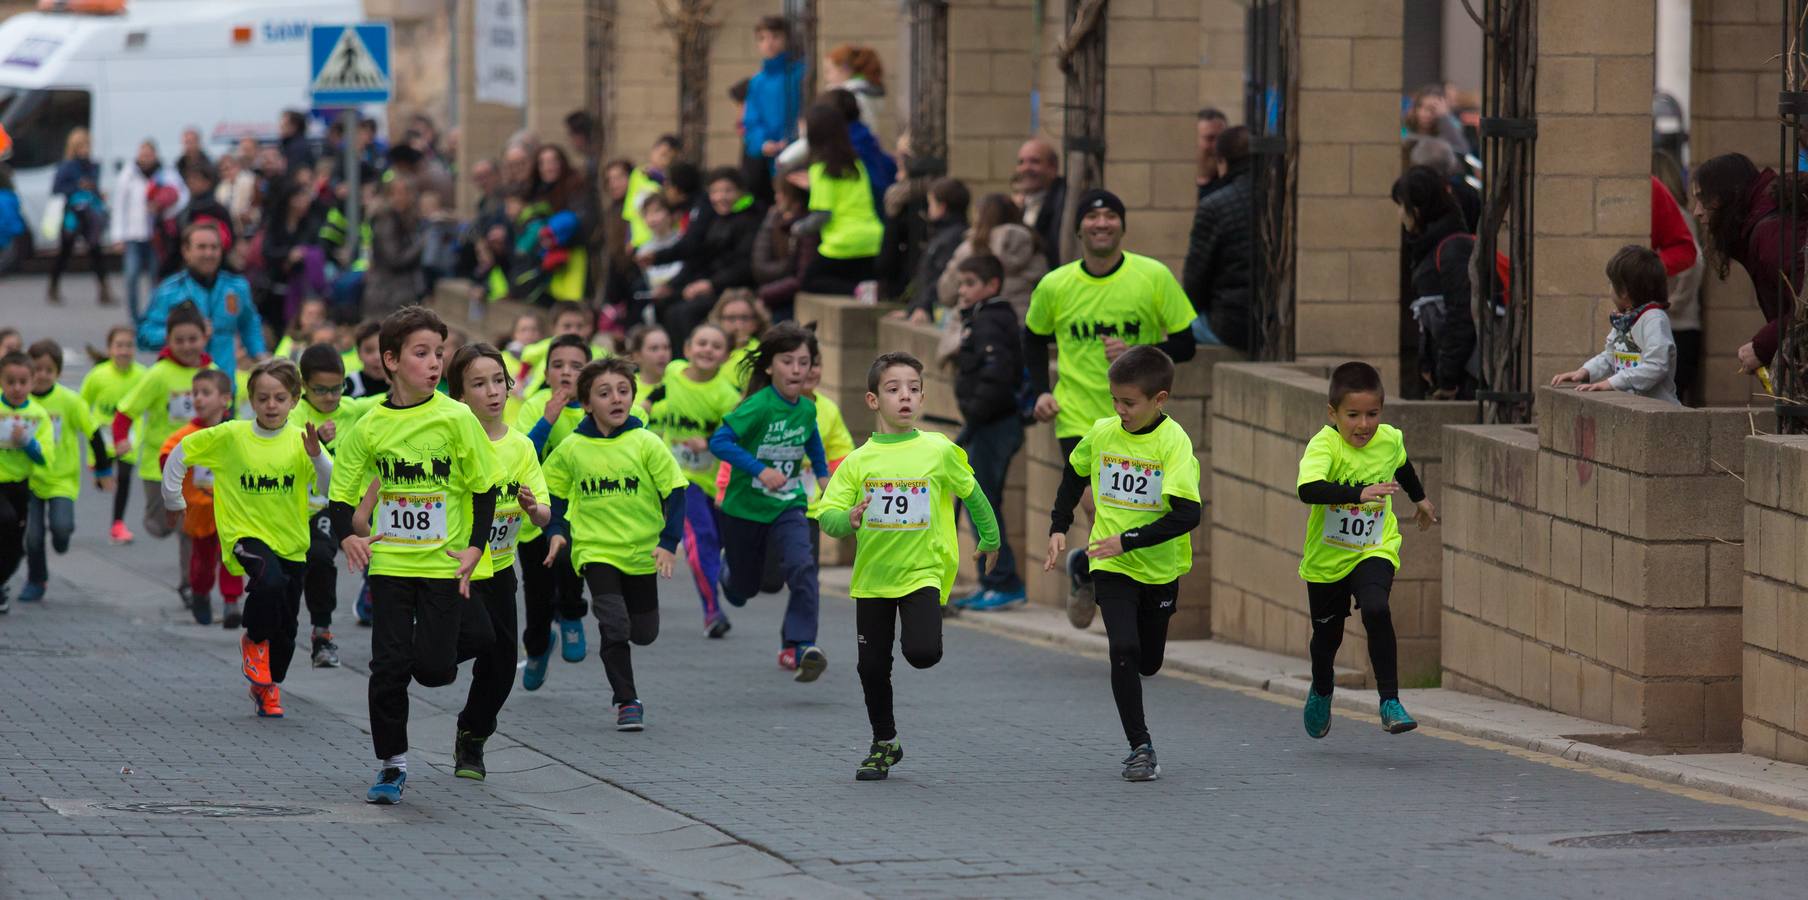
{"x": 1775, "y": 660}
{"x": 1594, "y": 569}
{"x": 991, "y": 47}
{"x": 1262, "y": 416}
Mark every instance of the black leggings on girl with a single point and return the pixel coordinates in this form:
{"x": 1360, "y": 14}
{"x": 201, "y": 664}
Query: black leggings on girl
{"x": 875, "y": 621}
{"x": 1368, "y": 584}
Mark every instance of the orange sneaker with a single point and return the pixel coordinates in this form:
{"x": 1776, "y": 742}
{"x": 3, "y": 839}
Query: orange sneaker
{"x": 267, "y": 700}
{"x": 120, "y": 533}
{"x": 257, "y": 660}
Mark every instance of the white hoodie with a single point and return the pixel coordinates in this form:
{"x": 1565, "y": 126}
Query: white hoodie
{"x": 131, "y": 218}
{"x": 1640, "y": 360}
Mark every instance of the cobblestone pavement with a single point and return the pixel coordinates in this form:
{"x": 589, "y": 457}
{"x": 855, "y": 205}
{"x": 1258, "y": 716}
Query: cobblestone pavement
{"x": 742, "y": 784}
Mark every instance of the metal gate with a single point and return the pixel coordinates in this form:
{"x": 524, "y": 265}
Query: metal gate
{"x": 1509, "y": 135}
{"x": 1789, "y": 380}
{"x": 1270, "y": 29}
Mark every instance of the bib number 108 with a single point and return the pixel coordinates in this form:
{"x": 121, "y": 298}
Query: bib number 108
{"x": 410, "y": 519}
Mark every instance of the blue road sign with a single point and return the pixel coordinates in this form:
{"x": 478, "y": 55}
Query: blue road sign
{"x": 349, "y": 64}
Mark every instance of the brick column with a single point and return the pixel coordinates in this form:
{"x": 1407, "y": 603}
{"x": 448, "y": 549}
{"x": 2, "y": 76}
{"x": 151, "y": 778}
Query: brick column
{"x": 1347, "y": 276}
{"x": 483, "y": 127}
{"x": 879, "y": 26}
{"x": 1592, "y": 190}
{"x": 990, "y": 43}
{"x": 555, "y": 66}
{"x": 1151, "y": 103}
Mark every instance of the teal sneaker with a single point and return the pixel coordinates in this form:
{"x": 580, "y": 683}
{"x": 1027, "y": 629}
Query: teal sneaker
{"x": 387, "y": 791}
{"x": 572, "y": 642}
{"x": 1394, "y": 719}
{"x": 990, "y": 600}
{"x": 1318, "y": 714}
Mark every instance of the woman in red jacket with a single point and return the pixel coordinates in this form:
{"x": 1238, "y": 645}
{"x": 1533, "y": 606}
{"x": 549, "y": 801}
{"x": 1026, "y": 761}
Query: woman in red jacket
{"x": 1738, "y": 209}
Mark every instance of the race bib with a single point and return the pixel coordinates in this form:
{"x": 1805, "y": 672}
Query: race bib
{"x": 1126, "y": 482}
{"x": 694, "y": 460}
{"x": 1354, "y": 527}
{"x": 412, "y": 518}
{"x": 504, "y": 529}
{"x": 788, "y": 460}
{"x": 16, "y": 431}
{"x": 181, "y": 407}
{"x": 56, "y": 429}
{"x": 897, "y": 505}
{"x": 1623, "y": 361}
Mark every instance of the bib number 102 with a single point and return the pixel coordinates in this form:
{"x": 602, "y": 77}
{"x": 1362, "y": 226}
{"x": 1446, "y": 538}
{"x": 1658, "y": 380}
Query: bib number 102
{"x": 1129, "y": 483}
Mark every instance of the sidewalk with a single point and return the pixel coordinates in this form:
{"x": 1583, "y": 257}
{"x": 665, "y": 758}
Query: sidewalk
{"x": 1736, "y": 775}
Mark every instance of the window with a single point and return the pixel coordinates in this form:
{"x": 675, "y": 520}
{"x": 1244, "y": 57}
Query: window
{"x": 40, "y": 121}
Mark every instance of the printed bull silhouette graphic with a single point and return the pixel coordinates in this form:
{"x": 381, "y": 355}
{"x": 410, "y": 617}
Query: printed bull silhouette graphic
{"x": 599, "y": 484}
{"x": 259, "y": 484}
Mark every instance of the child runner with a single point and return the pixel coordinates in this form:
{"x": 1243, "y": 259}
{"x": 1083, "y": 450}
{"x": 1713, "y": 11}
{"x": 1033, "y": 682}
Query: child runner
{"x": 739, "y": 315}
{"x": 162, "y": 401}
{"x": 650, "y": 349}
{"x": 261, "y": 472}
{"x": 438, "y": 477}
{"x": 767, "y": 439}
{"x": 893, "y": 493}
{"x": 213, "y": 399}
{"x": 548, "y": 417}
{"x": 1640, "y": 355}
{"x": 54, "y": 487}
{"x": 26, "y": 443}
{"x": 324, "y": 406}
{"x": 102, "y": 389}
{"x": 687, "y": 407}
{"x": 569, "y": 318}
{"x": 613, "y": 485}
{"x": 369, "y": 380}
{"x": 1349, "y": 474}
{"x": 1141, "y": 468}
{"x": 478, "y": 376}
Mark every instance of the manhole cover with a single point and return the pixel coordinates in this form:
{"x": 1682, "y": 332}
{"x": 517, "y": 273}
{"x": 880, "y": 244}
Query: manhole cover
{"x": 33, "y": 651}
{"x": 211, "y": 810}
{"x": 1665, "y": 839}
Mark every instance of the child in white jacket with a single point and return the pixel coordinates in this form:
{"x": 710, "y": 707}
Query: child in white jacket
{"x": 1640, "y": 355}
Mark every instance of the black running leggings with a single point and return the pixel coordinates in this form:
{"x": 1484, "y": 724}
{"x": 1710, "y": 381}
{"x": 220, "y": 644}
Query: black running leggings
{"x": 627, "y": 612}
{"x": 1368, "y": 584}
{"x": 488, "y": 636}
{"x": 122, "y": 493}
{"x": 546, "y": 590}
{"x": 1136, "y": 631}
{"x": 273, "y": 588}
{"x": 875, "y": 621}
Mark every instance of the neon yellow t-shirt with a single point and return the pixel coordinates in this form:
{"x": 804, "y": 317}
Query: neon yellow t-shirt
{"x": 853, "y": 230}
{"x": 688, "y": 409}
{"x": 430, "y": 457}
{"x": 104, "y": 386}
{"x": 162, "y": 400}
{"x": 737, "y": 375}
{"x": 1139, "y": 303}
{"x": 533, "y": 409}
{"x": 15, "y": 465}
{"x": 907, "y": 537}
{"x": 349, "y": 411}
{"x": 614, "y": 489}
{"x": 1339, "y": 537}
{"x": 260, "y": 487}
{"x": 511, "y": 527}
{"x": 352, "y": 362}
{"x": 1132, "y": 477}
{"x": 69, "y": 429}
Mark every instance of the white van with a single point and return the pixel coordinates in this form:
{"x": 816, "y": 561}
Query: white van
{"x": 227, "y": 68}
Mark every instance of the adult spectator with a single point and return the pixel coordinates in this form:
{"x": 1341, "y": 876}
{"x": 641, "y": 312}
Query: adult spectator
{"x": 1435, "y": 154}
{"x": 997, "y": 232}
{"x": 1429, "y": 116}
{"x": 774, "y": 96}
{"x": 224, "y": 297}
{"x": 716, "y": 253}
{"x": 841, "y": 207}
{"x": 1038, "y": 179}
{"x": 905, "y": 213}
{"x": 623, "y": 275}
{"x": 77, "y": 181}
{"x": 294, "y": 266}
{"x": 1216, "y": 275}
{"x": 192, "y": 154}
{"x": 202, "y": 206}
{"x": 144, "y": 194}
{"x": 292, "y": 139}
{"x": 1678, "y": 244}
{"x": 1737, "y": 207}
{"x": 1211, "y": 124}
{"x": 855, "y": 68}
{"x": 486, "y": 178}
{"x": 518, "y": 165}
{"x": 237, "y": 192}
{"x": 427, "y": 172}
{"x": 396, "y": 243}
{"x": 947, "y": 227}
{"x": 566, "y": 207}
{"x": 1439, "y": 249}
{"x": 1092, "y": 310}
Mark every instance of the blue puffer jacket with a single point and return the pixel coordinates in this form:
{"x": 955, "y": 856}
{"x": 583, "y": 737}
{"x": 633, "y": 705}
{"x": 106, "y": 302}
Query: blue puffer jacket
{"x": 774, "y": 100}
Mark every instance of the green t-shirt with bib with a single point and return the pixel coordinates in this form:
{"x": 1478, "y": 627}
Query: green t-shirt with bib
{"x": 520, "y": 468}
{"x": 685, "y": 409}
{"x": 70, "y": 426}
{"x": 1339, "y": 537}
{"x": 775, "y": 432}
{"x": 15, "y": 463}
{"x": 907, "y": 538}
{"x": 260, "y": 487}
{"x": 614, "y": 488}
{"x": 162, "y": 400}
{"x": 1132, "y": 477}
{"x": 1138, "y": 303}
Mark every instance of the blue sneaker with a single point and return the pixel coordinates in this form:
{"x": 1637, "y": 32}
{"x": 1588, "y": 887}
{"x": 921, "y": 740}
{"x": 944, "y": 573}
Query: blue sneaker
{"x": 32, "y": 593}
{"x": 534, "y": 673}
{"x": 1394, "y": 719}
{"x": 630, "y": 716}
{"x": 986, "y": 601}
{"x": 571, "y": 640}
{"x": 387, "y": 790}
{"x": 362, "y": 607}
{"x": 1318, "y": 713}
{"x": 967, "y": 601}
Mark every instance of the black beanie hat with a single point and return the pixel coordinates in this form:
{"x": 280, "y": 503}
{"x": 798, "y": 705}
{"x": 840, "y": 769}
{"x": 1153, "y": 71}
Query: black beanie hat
{"x": 1098, "y": 198}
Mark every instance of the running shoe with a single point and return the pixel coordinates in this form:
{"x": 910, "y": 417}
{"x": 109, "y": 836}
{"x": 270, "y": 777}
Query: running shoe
{"x": 879, "y": 760}
{"x": 810, "y": 663}
{"x": 1394, "y": 719}
{"x": 362, "y": 606}
{"x": 232, "y": 618}
{"x": 1140, "y": 765}
{"x": 572, "y": 645}
{"x": 1081, "y": 604}
{"x": 717, "y": 628}
{"x": 787, "y": 659}
{"x": 257, "y": 660}
{"x": 630, "y": 716}
{"x": 467, "y": 756}
{"x": 1318, "y": 714}
{"x": 6, "y": 601}
{"x": 534, "y": 673}
{"x": 201, "y": 607}
{"x": 32, "y": 593}
{"x": 120, "y": 533}
{"x": 992, "y": 601}
{"x": 388, "y": 787}
{"x": 268, "y": 701}
{"x": 326, "y": 653}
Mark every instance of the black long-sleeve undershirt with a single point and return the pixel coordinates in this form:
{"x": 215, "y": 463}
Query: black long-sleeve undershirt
{"x": 1183, "y": 515}
{"x": 1325, "y": 493}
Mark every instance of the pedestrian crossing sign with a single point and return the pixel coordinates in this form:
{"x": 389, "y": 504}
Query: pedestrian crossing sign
{"x": 349, "y": 64}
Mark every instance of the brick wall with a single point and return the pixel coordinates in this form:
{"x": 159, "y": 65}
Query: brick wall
{"x": 1775, "y": 663}
{"x": 991, "y": 44}
{"x": 1262, "y": 416}
{"x": 1151, "y": 105}
{"x": 482, "y": 126}
{"x": 644, "y": 77}
{"x": 1348, "y": 271}
{"x": 1594, "y": 569}
{"x": 555, "y": 65}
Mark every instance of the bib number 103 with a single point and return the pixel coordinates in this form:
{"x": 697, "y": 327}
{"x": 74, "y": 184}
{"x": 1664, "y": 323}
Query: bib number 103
{"x": 1354, "y": 527}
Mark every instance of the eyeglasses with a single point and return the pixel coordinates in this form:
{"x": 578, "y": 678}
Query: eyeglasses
{"x": 737, "y": 317}
{"x": 327, "y": 390}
